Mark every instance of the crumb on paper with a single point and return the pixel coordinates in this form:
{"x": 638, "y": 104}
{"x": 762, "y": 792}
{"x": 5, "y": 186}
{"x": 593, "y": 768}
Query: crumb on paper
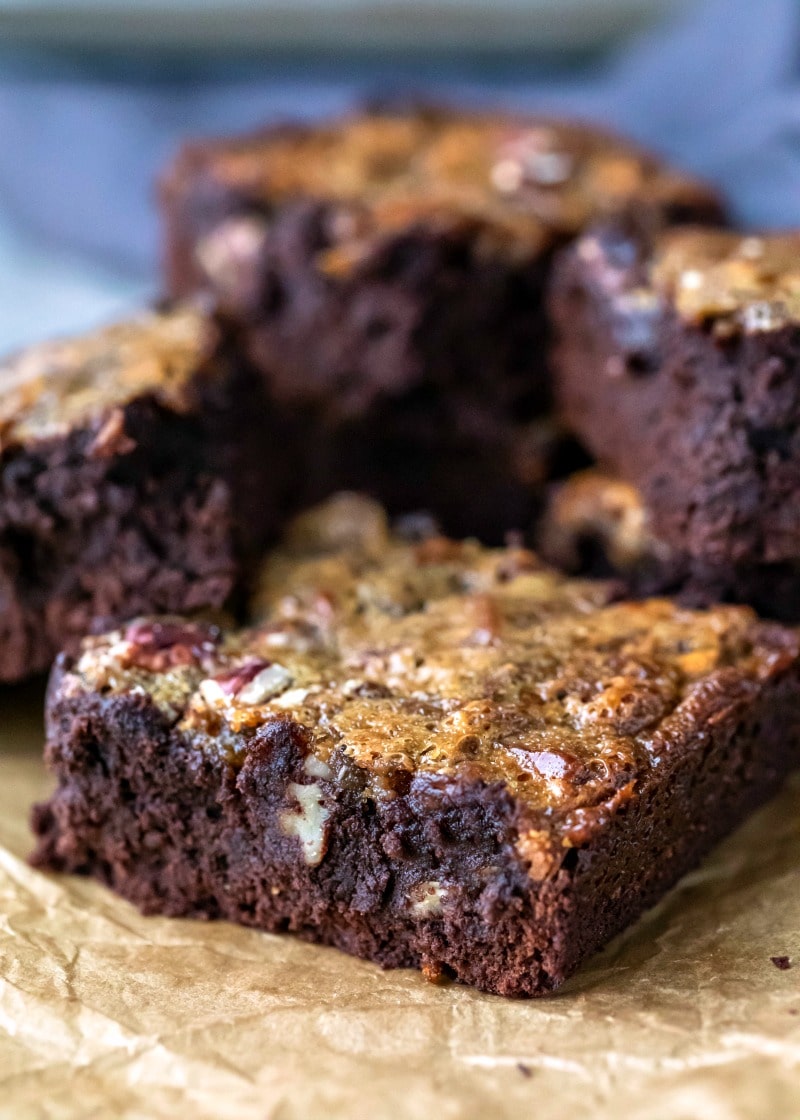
{"x": 435, "y": 972}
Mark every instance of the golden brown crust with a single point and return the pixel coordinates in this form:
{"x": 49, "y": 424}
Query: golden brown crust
{"x": 444, "y": 657}
{"x": 50, "y": 388}
{"x": 521, "y": 182}
{"x": 751, "y": 281}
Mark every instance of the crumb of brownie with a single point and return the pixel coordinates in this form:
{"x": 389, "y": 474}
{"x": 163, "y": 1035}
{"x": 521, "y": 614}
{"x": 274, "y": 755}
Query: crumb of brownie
{"x": 783, "y": 963}
{"x": 436, "y": 972}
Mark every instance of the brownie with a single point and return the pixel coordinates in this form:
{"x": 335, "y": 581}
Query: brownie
{"x": 678, "y": 363}
{"x": 127, "y": 479}
{"x": 595, "y": 524}
{"x": 389, "y": 270}
{"x": 426, "y": 753}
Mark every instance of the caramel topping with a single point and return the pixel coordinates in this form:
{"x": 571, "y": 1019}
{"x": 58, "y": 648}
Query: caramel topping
{"x": 753, "y": 282}
{"x": 49, "y": 388}
{"x": 521, "y": 182}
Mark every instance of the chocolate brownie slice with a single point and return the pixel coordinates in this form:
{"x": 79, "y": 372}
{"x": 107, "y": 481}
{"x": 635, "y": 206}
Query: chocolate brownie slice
{"x": 678, "y": 363}
{"x": 596, "y": 524}
{"x": 126, "y": 483}
{"x": 389, "y": 269}
{"x": 427, "y": 753}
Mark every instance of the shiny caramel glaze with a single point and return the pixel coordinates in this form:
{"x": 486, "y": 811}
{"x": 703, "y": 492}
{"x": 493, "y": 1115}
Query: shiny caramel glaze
{"x": 523, "y": 183}
{"x": 433, "y": 656}
{"x": 54, "y": 386}
{"x": 750, "y": 281}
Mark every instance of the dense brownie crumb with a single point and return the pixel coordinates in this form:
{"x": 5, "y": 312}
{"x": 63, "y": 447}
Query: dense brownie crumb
{"x": 426, "y": 753}
{"x": 677, "y": 363}
{"x": 389, "y": 272}
{"x": 126, "y": 459}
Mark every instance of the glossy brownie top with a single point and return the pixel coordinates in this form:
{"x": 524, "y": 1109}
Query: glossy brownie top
{"x": 522, "y": 182}
{"x": 428, "y": 656}
{"x": 54, "y": 386}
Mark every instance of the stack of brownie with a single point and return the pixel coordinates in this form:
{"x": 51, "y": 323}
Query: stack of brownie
{"x": 425, "y": 750}
{"x": 677, "y": 363}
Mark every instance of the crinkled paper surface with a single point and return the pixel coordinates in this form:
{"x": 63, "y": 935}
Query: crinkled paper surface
{"x": 104, "y": 1013}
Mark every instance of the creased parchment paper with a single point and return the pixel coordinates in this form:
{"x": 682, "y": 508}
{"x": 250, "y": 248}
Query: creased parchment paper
{"x": 104, "y": 1013}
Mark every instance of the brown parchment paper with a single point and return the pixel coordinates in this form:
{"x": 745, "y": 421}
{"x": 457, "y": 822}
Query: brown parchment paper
{"x": 104, "y": 1013}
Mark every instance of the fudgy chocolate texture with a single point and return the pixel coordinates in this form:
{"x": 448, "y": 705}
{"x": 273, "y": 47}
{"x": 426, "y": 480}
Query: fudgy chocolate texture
{"x": 594, "y": 524}
{"x": 118, "y": 451}
{"x": 678, "y": 363}
{"x": 389, "y": 269}
{"x": 426, "y": 753}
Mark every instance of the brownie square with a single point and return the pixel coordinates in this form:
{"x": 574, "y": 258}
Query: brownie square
{"x": 426, "y": 753}
{"x": 389, "y": 270}
{"x": 678, "y": 363}
{"x": 127, "y": 480}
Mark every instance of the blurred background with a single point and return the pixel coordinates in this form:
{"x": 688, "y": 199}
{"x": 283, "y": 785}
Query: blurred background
{"x": 95, "y": 96}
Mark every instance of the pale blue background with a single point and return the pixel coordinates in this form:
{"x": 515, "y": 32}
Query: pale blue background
{"x": 81, "y": 138}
